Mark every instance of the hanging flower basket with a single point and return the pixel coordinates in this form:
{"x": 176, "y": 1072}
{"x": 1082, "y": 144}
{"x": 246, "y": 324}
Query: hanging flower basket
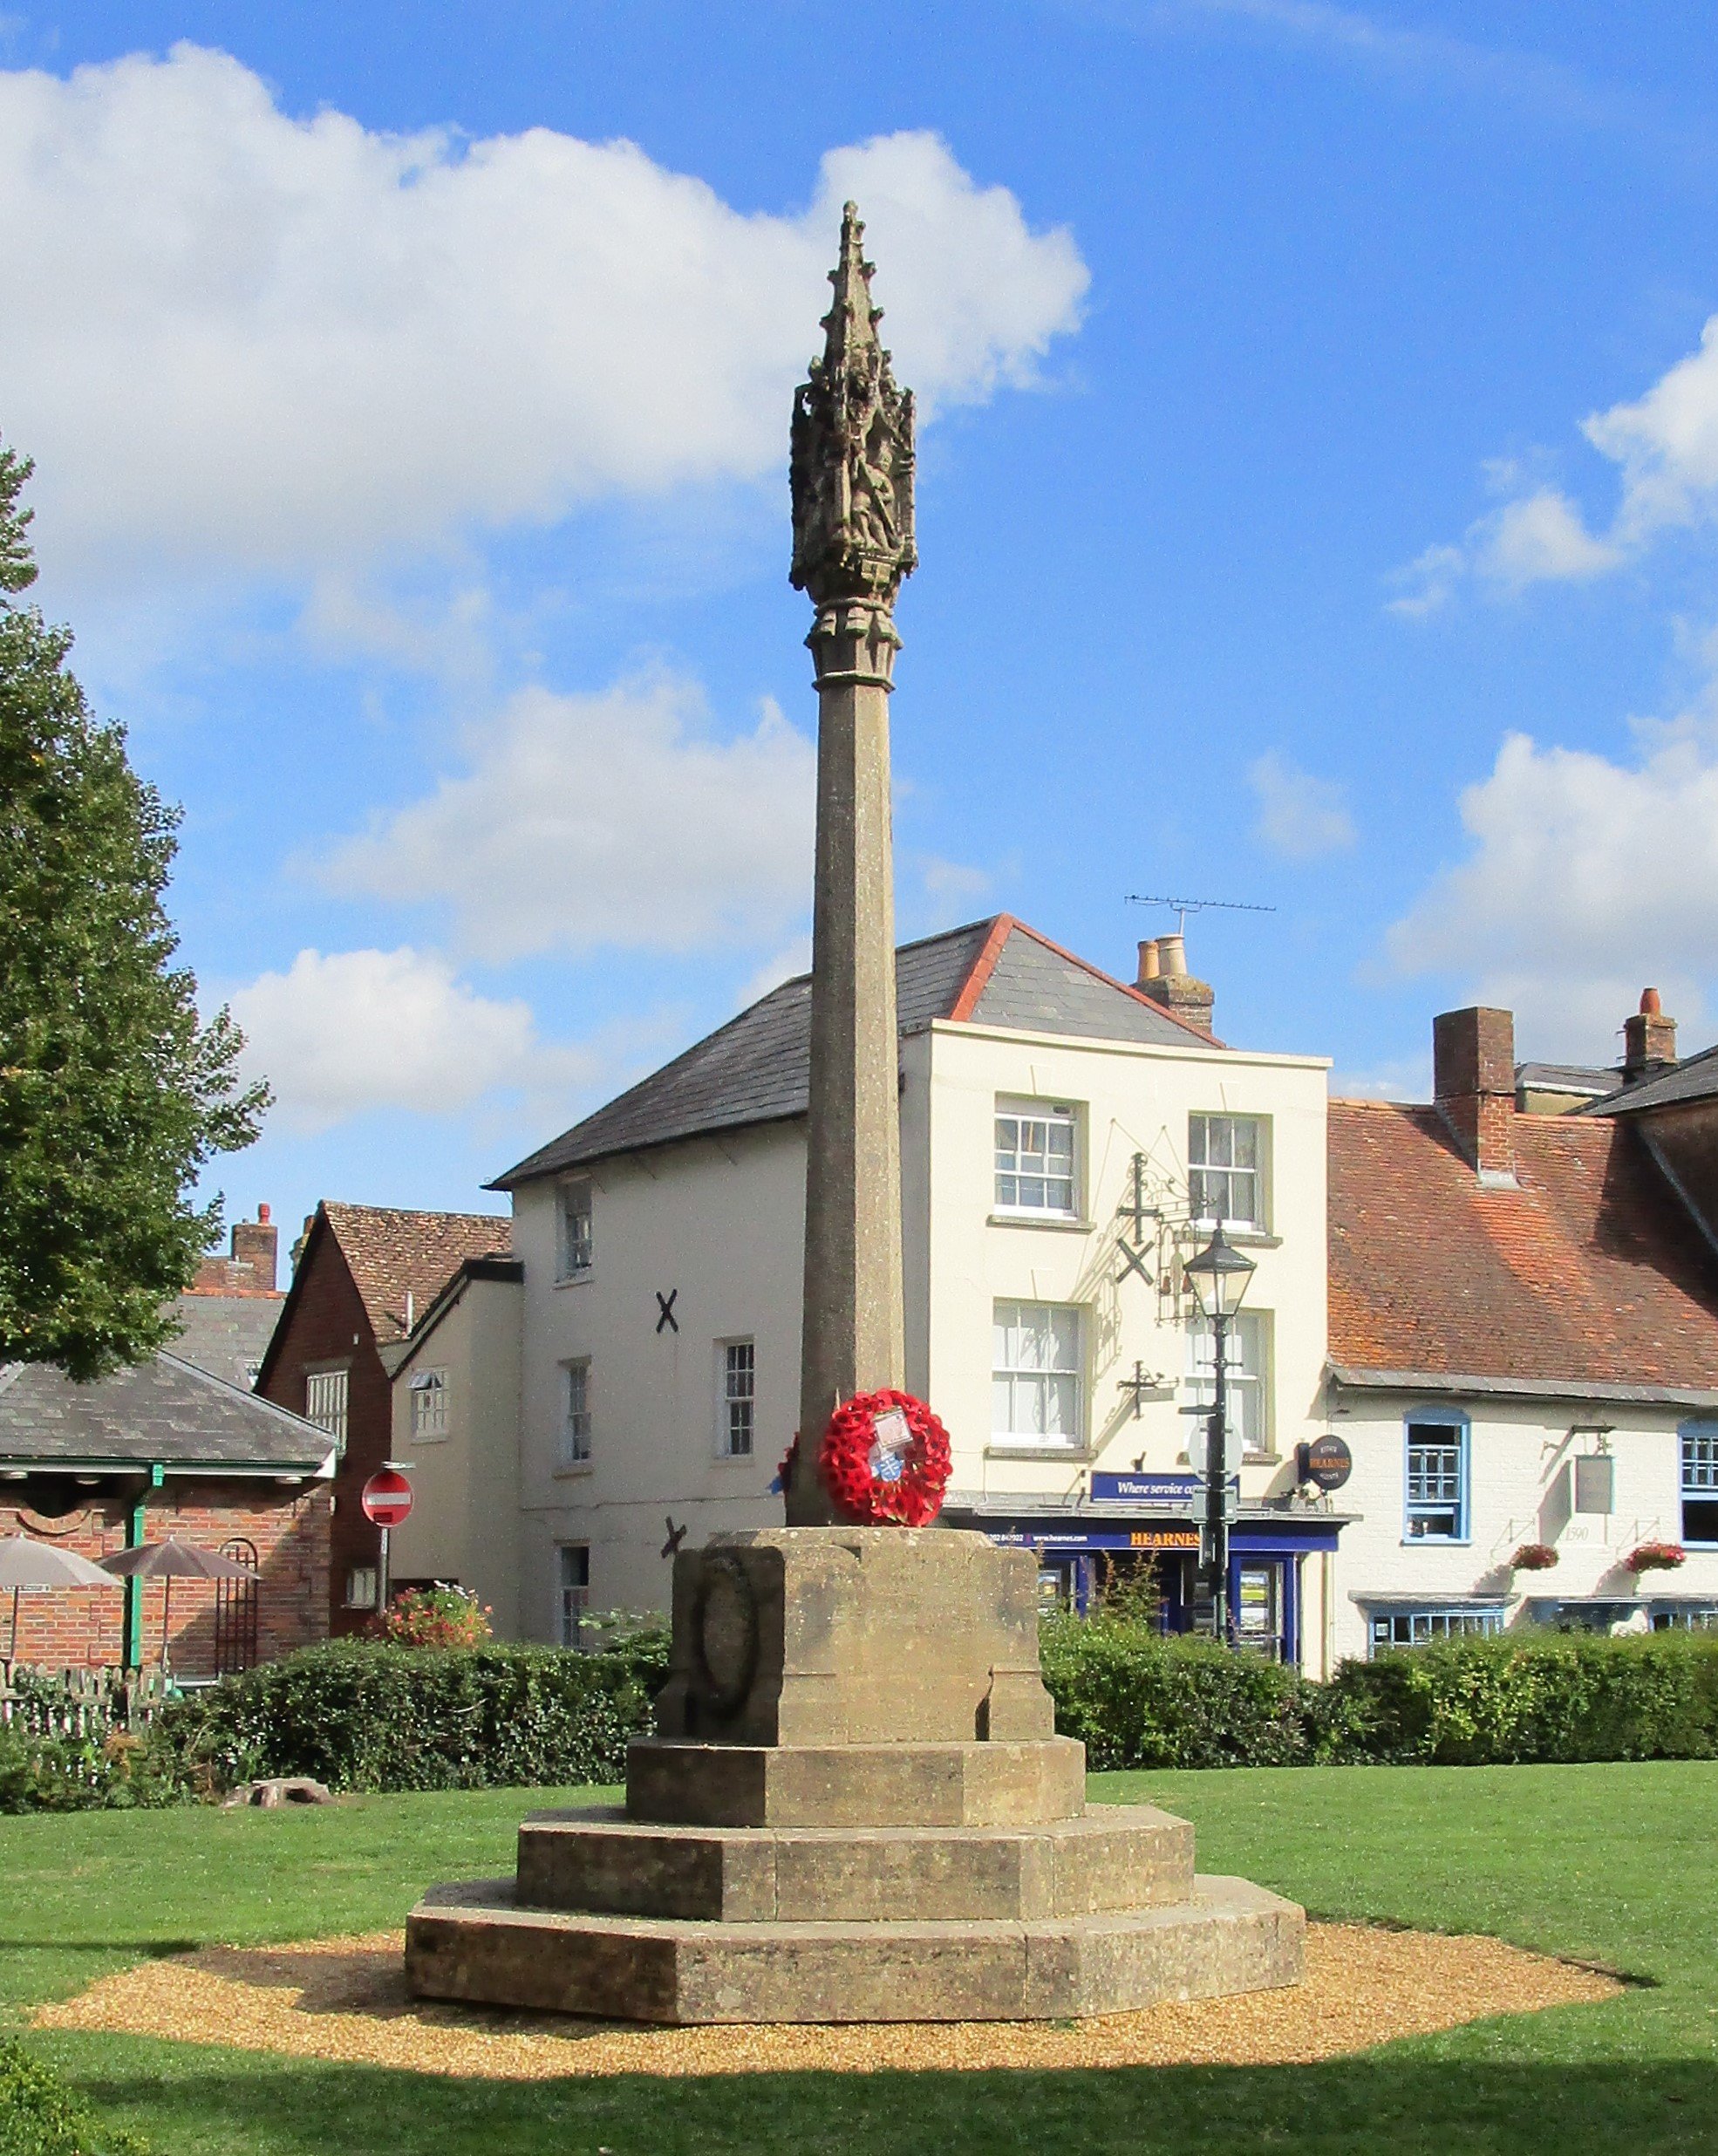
{"x": 1533, "y": 1557}
{"x": 1655, "y": 1556}
{"x": 885, "y": 1458}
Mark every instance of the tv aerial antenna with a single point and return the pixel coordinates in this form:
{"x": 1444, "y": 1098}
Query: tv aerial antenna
{"x": 1182, "y": 907}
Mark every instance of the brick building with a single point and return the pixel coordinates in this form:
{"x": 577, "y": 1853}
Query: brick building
{"x": 166, "y": 1450}
{"x": 364, "y": 1275}
{"x": 227, "y": 1316}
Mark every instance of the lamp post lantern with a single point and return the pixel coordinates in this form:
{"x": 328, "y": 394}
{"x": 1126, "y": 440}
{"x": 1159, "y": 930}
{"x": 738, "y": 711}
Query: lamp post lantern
{"x": 1220, "y": 1275}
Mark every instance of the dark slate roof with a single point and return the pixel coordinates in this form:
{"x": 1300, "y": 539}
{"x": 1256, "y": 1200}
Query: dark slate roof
{"x": 163, "y": 1409}
{"x": 227, "y": 1335}
{"x": 1695, "y": 1079}
{"x": 1564, "y": 1078}
{"x": 756, "y": 1068}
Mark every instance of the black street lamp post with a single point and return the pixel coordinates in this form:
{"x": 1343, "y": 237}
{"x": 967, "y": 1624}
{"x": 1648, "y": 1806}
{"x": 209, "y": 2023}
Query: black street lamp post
{"x": 1219, "y": 1276}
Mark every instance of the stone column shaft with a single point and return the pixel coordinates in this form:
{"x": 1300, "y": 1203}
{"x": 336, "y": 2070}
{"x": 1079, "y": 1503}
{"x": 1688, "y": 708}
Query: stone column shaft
{"x": 853, "y": 1336}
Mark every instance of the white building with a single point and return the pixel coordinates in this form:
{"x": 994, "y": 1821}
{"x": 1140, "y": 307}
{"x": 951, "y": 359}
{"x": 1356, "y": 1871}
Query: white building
{"x": 1066, "y": 1142}
{"x": 1523, "y": 1351}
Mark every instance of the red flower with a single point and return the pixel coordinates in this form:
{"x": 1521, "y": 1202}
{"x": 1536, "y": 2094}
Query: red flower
{"x": 1533, "y": 1557}
{"x": 1656, "y": 1557}
{"x": 905, "y": 1487}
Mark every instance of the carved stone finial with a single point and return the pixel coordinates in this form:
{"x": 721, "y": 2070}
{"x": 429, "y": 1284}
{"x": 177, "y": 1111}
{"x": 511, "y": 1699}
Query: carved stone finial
{"x": 852, "y": 469}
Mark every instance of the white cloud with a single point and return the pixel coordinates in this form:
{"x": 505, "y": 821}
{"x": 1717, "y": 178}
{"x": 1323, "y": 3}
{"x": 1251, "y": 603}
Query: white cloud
{"x": 1399, "y": 1078}
{"x": 787, "y": 964}
{"x": 617, "y": 819}
{"x": 1539, "y": 539}
{"x": 1667, "y": 444}
{"x": 1300, "y": 817}
{"x": 240, "y": 342}
{"x": 1588, "y": 880}
{"x": 345, "y": 1031}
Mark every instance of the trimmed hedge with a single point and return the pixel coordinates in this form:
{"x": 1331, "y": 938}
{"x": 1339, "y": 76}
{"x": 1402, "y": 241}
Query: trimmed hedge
{"x": 1136, "y": 1698}
{"x": 1545, "y": 1697}
{"x": 40, "y": 2115}
{"x": 363, "y": 1715}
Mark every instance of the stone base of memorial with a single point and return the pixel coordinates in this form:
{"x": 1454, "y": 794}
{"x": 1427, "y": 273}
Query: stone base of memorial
{"x": 855, "y": 1809}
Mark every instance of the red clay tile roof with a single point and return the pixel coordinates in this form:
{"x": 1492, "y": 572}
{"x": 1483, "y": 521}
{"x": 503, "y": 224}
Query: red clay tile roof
{"x": 1591, "y": 1271}
{"x": 391, "y": 1253}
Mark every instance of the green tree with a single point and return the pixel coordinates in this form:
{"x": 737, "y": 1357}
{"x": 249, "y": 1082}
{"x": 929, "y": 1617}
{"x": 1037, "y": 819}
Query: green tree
{"x": 113, "y": 1093}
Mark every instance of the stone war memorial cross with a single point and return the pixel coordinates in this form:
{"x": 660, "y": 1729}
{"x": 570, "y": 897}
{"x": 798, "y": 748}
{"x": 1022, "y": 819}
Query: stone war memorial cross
{"x": 854, "y": 1805}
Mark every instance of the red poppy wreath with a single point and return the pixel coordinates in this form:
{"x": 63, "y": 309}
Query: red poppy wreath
{"x": 885, "y": 1457}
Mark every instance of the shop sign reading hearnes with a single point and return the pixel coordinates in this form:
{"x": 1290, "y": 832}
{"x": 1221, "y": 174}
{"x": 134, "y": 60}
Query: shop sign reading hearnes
{"x": 1163, "y": 1539}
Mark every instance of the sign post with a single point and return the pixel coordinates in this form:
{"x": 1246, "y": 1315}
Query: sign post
{"x": 387, "y": 1502}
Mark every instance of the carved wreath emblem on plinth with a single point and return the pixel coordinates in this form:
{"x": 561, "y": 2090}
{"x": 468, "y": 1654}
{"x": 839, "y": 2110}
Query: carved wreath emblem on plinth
{"x": 725, "y": 1633}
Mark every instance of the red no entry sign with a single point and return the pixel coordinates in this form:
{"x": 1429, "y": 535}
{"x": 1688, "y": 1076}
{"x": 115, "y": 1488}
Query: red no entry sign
{"x": 387, "y": 1498}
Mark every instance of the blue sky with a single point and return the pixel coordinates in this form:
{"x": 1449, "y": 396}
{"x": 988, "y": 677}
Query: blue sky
{"x": 1318, "y": 484}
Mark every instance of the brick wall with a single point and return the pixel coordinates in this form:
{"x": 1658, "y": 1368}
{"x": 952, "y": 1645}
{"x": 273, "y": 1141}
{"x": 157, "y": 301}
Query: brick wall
{"x": 288, "y": 1529}
{"x": 328, "y": 1325}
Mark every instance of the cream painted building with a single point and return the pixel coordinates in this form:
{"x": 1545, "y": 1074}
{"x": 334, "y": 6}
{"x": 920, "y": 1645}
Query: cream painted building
{"x": 456, "y": 1432}
{"x": 1066, "y": 1142}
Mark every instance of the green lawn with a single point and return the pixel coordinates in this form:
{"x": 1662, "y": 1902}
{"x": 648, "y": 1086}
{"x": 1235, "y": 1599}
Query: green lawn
{"x": 1613, "y": 1863}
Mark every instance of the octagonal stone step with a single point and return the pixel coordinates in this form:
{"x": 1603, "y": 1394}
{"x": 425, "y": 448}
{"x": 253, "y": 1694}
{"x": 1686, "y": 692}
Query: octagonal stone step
{"x": 676, "y": 1781}
{"x": 1114, "y": 1858}
{"x": 473, "y": 1943}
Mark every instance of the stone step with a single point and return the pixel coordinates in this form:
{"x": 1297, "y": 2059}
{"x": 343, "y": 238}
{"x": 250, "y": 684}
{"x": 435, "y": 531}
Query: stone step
{"x": 678, "y": 1782}
{"x": 1116, "y": 1857}
{"x": 475, "y": 1944}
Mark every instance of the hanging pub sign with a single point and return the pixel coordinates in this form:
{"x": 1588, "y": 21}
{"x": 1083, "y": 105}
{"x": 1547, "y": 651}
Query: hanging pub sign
{"x": 1326, "y": 1462}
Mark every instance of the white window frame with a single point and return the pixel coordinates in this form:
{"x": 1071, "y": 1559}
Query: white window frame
{"x": 1249, "y": 1392}
{"x": 1027, "y": 1154}
{"x": 573, "y": 1438}
{"x": 331, "y": 1415}
{"x": 1202, "y": 1125}
{"x": 1060, "y": 1386}
{"x": 575, "y": 1249}
{"x": 736, "y": 1410}
{"x": 428, "y": 1393}
{"x": 572, "y": 1595}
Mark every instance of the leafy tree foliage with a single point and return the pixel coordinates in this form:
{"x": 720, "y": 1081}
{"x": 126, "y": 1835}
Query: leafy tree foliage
{"x": 113, "y": 1093}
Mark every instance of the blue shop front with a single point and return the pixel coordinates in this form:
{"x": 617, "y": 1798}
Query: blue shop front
{"x": 1131, "y": 1520}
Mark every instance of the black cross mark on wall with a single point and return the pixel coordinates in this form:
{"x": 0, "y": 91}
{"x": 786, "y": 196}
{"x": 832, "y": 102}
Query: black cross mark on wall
{"x": 664, "y": 1310}
{"x": 676, "y": 1537}
{"x": 1132, "y": 1261}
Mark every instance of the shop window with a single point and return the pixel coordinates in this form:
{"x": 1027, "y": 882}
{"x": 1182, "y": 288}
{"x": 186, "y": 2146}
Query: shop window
{"x": 1417, "y": 1627}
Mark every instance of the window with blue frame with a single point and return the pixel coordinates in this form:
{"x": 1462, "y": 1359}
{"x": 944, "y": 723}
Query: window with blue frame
{"x": 1415, "y": 1627}
{"x": 1699, "y": 1481}
{"x": 1435, "y": 1497}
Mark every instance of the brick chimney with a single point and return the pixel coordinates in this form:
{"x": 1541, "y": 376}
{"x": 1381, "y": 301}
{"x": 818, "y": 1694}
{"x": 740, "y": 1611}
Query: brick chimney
{"x": 1473, "y": 1082}
{"x": 255, "y": 1245}
{"x": 1164, "y": 977}
{"x": 1649, "y": 1040}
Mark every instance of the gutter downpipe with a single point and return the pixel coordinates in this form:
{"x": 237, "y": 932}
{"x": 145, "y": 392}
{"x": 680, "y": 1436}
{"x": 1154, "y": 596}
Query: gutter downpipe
{"x": 131, "y": 1652}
